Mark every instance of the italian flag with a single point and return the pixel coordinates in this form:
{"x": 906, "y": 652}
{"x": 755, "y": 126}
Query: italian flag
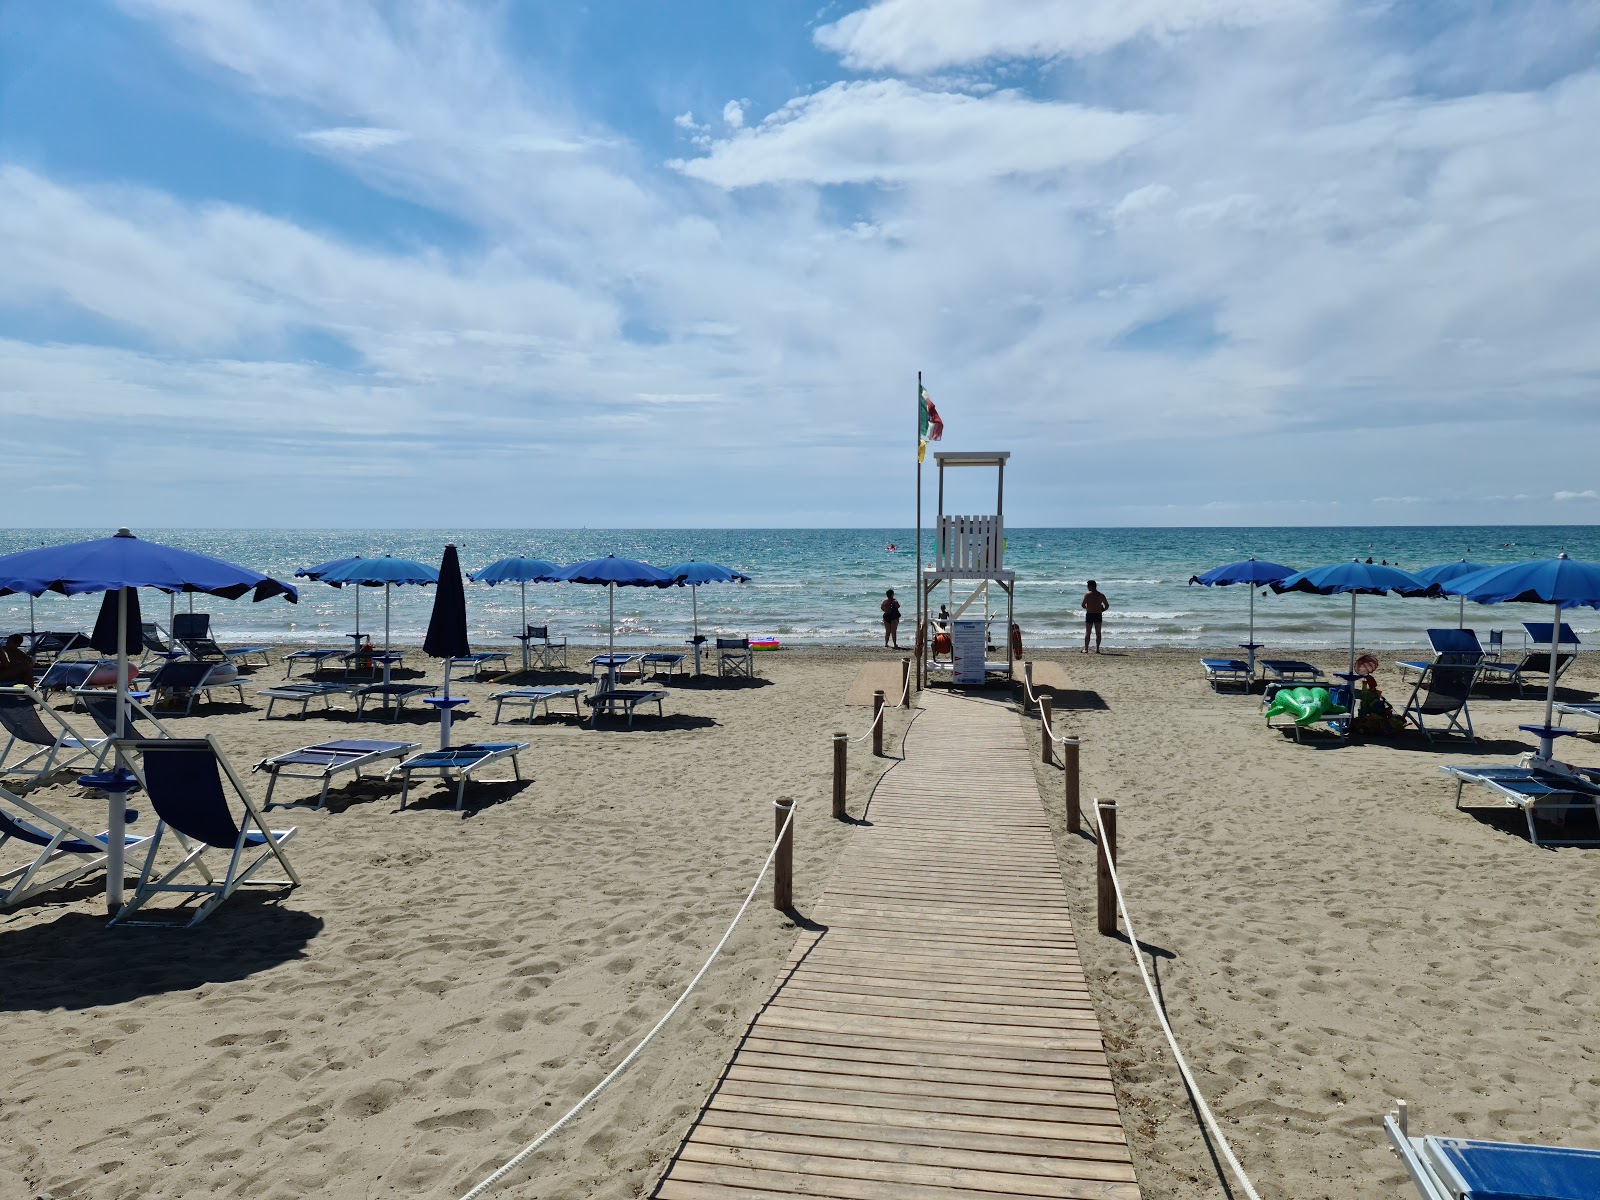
{"x": 929, "y": 427}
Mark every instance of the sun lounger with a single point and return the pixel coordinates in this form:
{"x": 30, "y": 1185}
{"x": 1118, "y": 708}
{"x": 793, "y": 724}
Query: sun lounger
{"x": 184, "y": 780}
{"x": 154, "y": 646}
{"x": 1219, "y": 671}
{"x": 460, "y": 763}
{"x": 322, "y": 762}
{"x": 660, "y": 663}
{"x": 316, "y": 658}
{"x": 534, "y": 697}
{"x": 613, "y": 665}
{"x": 1452, "y": 645}
{"x": 179, "y": 683}
{"x": 609, "y": 700}
{"x": 1591, "y": 711}
{"x": 55, "y": 839}
{"x": 1291, "y": 670}
{"x": 1446, "y": 1168}
{"x": 392, "y": 697}
{"x": 48, "y": 645}
{"x": 192, "y": 631}
{"x": 1538, "y": 792}
{"x": 734, "y": 657}
{"x": 68, "y": 674}
{"x": 303, "y": 693}
{"x": 29, "y": 721}
{"x": 1536, "y": 657}
{"x": 544, "y": 654}
{"x": 1441, "y": 691}
{"x": 480, "y": 659}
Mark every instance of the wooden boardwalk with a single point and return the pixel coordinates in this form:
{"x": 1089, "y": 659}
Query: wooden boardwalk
{"x": 935, "y": 1041}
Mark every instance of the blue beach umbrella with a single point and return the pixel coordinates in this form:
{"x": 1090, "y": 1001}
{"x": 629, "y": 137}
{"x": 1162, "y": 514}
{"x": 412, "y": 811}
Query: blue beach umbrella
{"x": 1358, "y": 579}
{"x": 1444, "y": 573}
{"x": 694, "y": 574}
{"x": 614, "y": 572}
{"x": 521, "y": 571}
{"x": 1251, "y": 571}
{"x": 122, "y": 564}
{"x": 383, "y": 571}
{"x": 1560, "y": 582}
{"x": 322, "y": 569}
{"x": 447, "y": 630}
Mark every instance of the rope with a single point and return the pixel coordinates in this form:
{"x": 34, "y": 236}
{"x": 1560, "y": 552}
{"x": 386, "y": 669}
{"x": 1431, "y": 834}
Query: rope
{"x": 1044, "y": 723}
{"x": 1161, "y": 1016}
{"x": 521, "y": 1156}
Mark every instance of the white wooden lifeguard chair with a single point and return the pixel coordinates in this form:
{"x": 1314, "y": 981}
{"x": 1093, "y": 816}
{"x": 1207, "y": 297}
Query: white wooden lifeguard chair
{"x": 969, "y": 556}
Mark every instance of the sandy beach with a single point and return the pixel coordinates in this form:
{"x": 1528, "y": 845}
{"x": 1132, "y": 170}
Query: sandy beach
{"x": 1330, "y": 934}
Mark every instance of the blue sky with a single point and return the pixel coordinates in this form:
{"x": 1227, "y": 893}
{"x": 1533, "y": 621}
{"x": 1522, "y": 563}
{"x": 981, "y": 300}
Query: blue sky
{"x": 446, "y": 263}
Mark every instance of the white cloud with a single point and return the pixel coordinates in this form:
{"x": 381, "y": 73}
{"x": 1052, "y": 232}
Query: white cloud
{"x": 917, "y": 36}
{"x": 890, "y": 132}
{"x": 1586, "y": 494}
{"x": 733, "y": 114}
{"x": 356, "y": 138}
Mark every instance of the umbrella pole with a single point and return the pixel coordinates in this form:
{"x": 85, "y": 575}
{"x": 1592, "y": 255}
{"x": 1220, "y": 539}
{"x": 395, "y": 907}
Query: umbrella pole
{"x": 524, "y": 629}
{"x": 172, "y": 611}
{"x": 1547, "y": 741}
{"x": 386, "y": 663}
{"x": 1252, "y": 649}
{"x": 1461, "y": 617}
{"x": 116, "y": 818}
{"x": 694, "y": 599}
{"x": 31, "y": 627}
{"x": 444, "y": 711}
{"x": 1352, "y": 637}
{"x": 611, "y": 638}
{"x": 358, "y": 614}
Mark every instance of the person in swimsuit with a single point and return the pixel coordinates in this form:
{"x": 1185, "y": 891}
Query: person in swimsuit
{"x": 891, "y": 619}
{"x": 1094, "y": 605}
{"x": 15, "y": 665}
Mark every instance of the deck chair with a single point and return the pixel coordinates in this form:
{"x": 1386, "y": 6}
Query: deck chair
{"x": 734, "y": 657}
{"x": 1446, "y": 1168}
{"x": 1538, "y": 657}
{"x": 193, "y": 632}
{"x": 156, "y": 648}
{"x": 1539, "y": 793}
{"x": 184, "y": 780}
{"x": 322, "y": 762}
{"x": 182, "y": 681}
{"x": 1220, "y": 671}
{"x": 1461, "y": 645}
{"x": 101, "y": 705}
{"x": 30, "y": 721}
{"x": 460, "y": 763}
{"x": 55, "y": 840}
{"x": 1441, "y": 691}
{"x": 543, "y": 653}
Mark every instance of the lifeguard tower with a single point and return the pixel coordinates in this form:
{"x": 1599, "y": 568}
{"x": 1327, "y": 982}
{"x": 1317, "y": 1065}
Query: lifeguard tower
{"x": 969, "y": 557}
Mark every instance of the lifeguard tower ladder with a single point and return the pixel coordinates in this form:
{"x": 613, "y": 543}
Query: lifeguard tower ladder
{"x": 969, "y": 555}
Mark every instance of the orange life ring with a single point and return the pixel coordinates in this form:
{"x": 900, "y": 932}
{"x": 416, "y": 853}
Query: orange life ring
{"x": 1016, "y": 640}
{"x": 941, "y": 644}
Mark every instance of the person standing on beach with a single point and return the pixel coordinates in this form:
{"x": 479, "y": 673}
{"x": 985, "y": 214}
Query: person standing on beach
{"x": 891, "y": 619}
{"x": 1094, "y": 605}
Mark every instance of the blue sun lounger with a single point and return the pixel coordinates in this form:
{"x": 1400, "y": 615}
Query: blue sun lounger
{"x": 28, "y": 824}
{"x": 534, "y": 697}
{"x": 192, "y": 631}
{"x": 1592, "y": 711}
{"x": 1536, "y": 657}
{"x": 316, "y": 657}
{"x": 612, "y": 665}
{"x": 660, "y": 663}
{"x": 1291, "y": 670}
{"x": 303, "y": 693}
{"x": 322, "y": 762}
{"x": 1538, "y": 793}
{"x": 181, "y": 682}
{"x": 1219, "y": 671}
{"x": 1446, "y": 1168}
{"x": 460, "y": 763}
{"x": 481, "y": 659}
{"x": 393, "y": 696}
{"x": 609, "y": 700}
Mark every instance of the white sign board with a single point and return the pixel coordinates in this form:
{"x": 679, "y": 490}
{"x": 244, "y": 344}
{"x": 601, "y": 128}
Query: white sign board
{"x": 967, "y": 644}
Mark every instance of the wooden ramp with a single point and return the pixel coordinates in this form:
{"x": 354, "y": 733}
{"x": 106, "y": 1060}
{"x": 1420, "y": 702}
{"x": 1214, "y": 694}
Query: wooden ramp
{"x": 935, "y": 1041}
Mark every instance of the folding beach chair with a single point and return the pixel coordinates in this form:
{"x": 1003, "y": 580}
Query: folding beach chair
{"x": 1539, "y": 793}
{"x": 1445, "y": 1168}
{"x": 545, "y": 654}
{"x": 101, "y": 705}
{"x": 460, "y": 763}
{"x": 1291, "y": 670}
{"x": 156, "y": 648}
{"x": 1441, "y": 691}
{"x": 322, "y": 762}
{"x": 30, "y": 721}
{"x": 1220, "y": 671}
{"x": 481, "y": 659}
{"x": 734, "y": 657}
{"x": 1539, "y": 657}
{"x": 534, "y": 697}
{"x": 27, "y": 824}
{"x": 193, "y": 633}
{"x": 316, "y": 657}
{"x": 1459, "y": 645}
{"x": 303, "y": 693}
{"x": 184, "y": 779}
{"x": 180, "y": 682}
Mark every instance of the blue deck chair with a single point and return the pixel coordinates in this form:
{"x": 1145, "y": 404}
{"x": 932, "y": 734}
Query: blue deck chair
{"x": 1539, "y": 793}
{"x": 30, "y": 721}
{"x": 1441, "y": 691}
{"x": 55, "y": 839}
{"x": 184, "y": 780}
{"x": 1446, "y": 1168}
{"x": 184, "y": 680}
{"x": 101, "y": 705}
{"x": 734, "y": 657}
{"x": 609, "y": 700}
{"x": 192, "y": 631}
{"x": 48, "y": 645}
{"x": 1219, "y": 671}
{"x": 1589, "y": 709}
{"x": 460, "y": 763}
{"x": 156, "y": 648}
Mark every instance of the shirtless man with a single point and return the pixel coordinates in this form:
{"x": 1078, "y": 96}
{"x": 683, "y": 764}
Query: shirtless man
{"x": 15, "y": 665}
{"x": 1094, "y": 605}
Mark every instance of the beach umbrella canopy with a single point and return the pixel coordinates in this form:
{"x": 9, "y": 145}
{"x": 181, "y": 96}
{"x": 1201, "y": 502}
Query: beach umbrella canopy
{"x": 323, "y": 569}
{"x": 1560, "y": 582}
{"x": 521, "y": 571}
{"x": 383, "y": 571}
{"x": 447, "y": 629}
{"x": 1444, "y": 573}
{"x": 1357, "y": 579}
{"x": 122, "y": 564}
{"x": 1253, "y": 572}
{"x": 694, "y": 574}
{"x": 613, "y": 572}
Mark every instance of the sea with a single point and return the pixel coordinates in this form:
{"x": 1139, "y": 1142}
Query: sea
{"x": 823, "y": 586}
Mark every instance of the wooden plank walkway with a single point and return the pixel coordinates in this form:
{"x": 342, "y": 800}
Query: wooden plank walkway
{"x": 935, "y": 1041}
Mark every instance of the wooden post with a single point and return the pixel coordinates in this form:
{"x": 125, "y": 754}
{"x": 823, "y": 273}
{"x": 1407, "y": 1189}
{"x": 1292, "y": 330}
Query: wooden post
{"x": 1027, "y": 683}
{"x": 841, "y": 744}
{"x": 1105, "y": 893}
{"x": 905, "y": 683}
{"x": 1069, "y": 752}
{"x": 877, "y": 724}
{"x": 783, "y": 861}
{"x": 1047, "y": 753}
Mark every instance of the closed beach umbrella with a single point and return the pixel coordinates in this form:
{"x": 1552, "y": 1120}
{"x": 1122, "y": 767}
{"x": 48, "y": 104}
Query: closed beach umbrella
{"x": 1253, "y": 572}
{"x": 1358, "y": 579}
{"x": 521, "y": 571}
{"x": 1560, "y": 582}
{"x": 1444, "y": 573}
{"x": 447, "y": 630}
{"x": 122, "y": 564}
{"x": 694, "y": 574}
{"x": 321, "y": 570}
{"x": 613, "y": 572}
{"x": 112, "y": 609}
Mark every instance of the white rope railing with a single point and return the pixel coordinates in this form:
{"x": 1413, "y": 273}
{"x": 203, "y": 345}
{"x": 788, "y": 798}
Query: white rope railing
{"x": 1044, "y": 721}
{"x": 1161, "y": 1016}
{"x": 516, "y": 1160}
{"x": 877, "y": 717}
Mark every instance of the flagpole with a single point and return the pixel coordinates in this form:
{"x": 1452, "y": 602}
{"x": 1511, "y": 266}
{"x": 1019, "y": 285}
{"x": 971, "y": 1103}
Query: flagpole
{"x": 917, "y": 577}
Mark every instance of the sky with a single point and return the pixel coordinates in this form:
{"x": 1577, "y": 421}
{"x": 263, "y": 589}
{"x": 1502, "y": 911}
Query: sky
{"x": 1193, "y": 262}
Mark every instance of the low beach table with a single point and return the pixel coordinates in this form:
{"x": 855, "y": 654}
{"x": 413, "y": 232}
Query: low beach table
{"x": 661, "y": 663}
{"x": 482, "y": 659}
{"x": 627, "y": 699}
{"x": 612, "y": 664}
{"x": 394, "y": 696}
{"x": 1536, "y": 791}
{"x": 303, "y": 694}
{"x": 460, "y": 763}
{"x": 533, "y": 697}
{"x": 315, "y": 657}
{"x": 323, "y": 761}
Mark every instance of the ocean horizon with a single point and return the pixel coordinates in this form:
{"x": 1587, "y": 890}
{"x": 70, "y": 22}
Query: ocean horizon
{"x": 823, "y": 586}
